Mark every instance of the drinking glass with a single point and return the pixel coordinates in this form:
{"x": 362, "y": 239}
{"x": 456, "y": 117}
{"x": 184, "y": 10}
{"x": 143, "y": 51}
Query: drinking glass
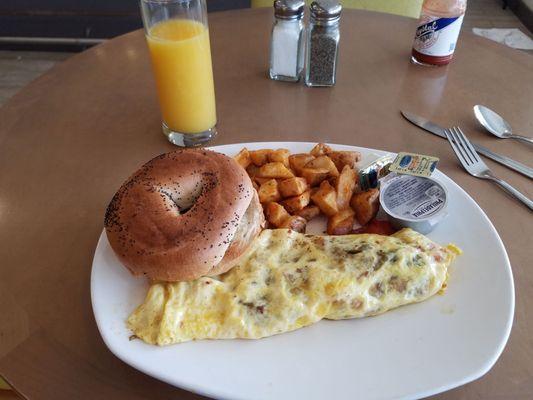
{"x": 178, "y": 39}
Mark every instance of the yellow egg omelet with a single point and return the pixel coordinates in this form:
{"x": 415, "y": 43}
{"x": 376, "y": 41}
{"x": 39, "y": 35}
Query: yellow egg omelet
{"x": 288, "y": 280}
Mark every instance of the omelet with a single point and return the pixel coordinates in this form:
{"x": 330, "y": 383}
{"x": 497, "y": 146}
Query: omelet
{"x": 288, "y": 280}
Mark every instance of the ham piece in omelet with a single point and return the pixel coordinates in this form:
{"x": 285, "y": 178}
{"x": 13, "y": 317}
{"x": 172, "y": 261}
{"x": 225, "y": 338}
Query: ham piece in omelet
{"x": 288, "y": 280}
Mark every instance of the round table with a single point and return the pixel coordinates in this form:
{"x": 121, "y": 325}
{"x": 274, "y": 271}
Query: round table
{"x": 69, "y": 139}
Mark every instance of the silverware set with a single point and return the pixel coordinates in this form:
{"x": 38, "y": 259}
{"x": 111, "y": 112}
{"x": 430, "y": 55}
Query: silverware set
{"x": 475, "y": 166}
{"x": 467, "y": 152}
{"x": 496, "y": 125}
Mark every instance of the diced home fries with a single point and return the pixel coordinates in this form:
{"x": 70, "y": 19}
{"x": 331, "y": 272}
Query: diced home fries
{"x": 342, "y": 158}
{"x": 275, "y": 213}
{"x": 345, "y": 187}
{"x": 341, "y": 223}
{"x": 295, "y": 188}
{"x": 295, "y": 223}
{"x": 314, "y": 175}
{"x": 243, "y": 158}
{"x": 323, "y": 162}
{"x": 321, "y": 149}
{"x": 297, "y": 162}
{"x": 268, "y": 191}
{"x": 309, "y": 212}
{"x": 259, "y": 157}
{"x": 274, "y": 170}
{"x": 326, "y": 199}
{"x": 280, "y": 155}
{"x": 365, "y": 205}
{"x": 296, "y": 203}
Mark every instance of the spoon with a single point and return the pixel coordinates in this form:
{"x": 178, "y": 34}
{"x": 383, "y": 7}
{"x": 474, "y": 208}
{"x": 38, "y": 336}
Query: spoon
{"x": 497, "y": 125}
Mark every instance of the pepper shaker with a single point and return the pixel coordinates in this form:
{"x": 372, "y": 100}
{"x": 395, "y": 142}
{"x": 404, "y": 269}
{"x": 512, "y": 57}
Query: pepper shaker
{"x": 323, "y": 43}
{"x": 287, "y": 45}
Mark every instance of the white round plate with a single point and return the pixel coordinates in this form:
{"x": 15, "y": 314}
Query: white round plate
{"x": 411, "y": 352}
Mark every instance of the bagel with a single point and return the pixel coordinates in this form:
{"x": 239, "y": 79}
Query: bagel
{"x": 182, "y": 215}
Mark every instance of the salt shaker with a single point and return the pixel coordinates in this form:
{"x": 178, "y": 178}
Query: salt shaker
{"x": 323, "y": 43}
{"x": 286, "y": 49}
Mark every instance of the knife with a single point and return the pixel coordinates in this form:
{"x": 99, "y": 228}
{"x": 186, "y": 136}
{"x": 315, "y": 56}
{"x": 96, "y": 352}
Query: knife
{"x": 439, "y": 131}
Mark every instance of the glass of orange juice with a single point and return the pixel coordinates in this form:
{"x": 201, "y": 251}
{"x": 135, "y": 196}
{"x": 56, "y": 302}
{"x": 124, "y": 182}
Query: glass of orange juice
{"x": 178, "y": 39}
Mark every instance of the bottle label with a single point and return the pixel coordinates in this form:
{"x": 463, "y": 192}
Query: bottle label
{"x": 437, "y": 36}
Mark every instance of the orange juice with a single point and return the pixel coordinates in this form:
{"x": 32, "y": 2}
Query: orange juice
{"x": 181, "y": 59}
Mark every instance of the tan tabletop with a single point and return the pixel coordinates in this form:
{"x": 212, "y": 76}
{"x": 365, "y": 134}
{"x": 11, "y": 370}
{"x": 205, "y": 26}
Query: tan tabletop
{"x": 69, "y": 139}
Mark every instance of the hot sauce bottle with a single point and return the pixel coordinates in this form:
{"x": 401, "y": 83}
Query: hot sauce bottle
{"x": 437, "y": 32}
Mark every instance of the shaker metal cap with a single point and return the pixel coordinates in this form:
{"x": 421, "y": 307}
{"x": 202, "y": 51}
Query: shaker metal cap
{"x": 325, "y": 10}
{"x": 289, "y": 9}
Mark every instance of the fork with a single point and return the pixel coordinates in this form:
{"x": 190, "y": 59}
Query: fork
{"x": 470, "y": 160}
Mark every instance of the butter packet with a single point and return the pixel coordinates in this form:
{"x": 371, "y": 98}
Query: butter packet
{"x": 373, "y": 171}
{"x": 414, "y": 164}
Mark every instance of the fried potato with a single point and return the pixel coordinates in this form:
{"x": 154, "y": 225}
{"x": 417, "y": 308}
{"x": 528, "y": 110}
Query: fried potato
{"x": 296, "y": 203}
{"x": 365, "y": 205}
{"x": 298, "y": 161}
{"x": 341, "y": 223}
{"x": 295, "y": 223}
{"x": 260, "y": 180}
{"x": 296, "y": 188}
{"x": 333, "y": 180}
{"x": 326, "y": 199}
{"x": 323, "y": 162}
{"x": 342, "y": 158}
{"x": 357, "y": 188}
{"x": 243, "y": 158}
{"x": 314, "y": 176}
{"x": 268, "y": 191}
{"x": 293, "y": 186}
{"x": 252, "y": 170}
{"x": 321, "y": 149}
{"x": 276, "y": 214}
{"x": 279, "y": 155}
{"x": 274, "y": 170}
{"x": 260, "y": 157}
{"x": 345, "y": 186}
{"x": 309, "y": 212}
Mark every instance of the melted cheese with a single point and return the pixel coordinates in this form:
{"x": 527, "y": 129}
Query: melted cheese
{"x": 289, "y": 280}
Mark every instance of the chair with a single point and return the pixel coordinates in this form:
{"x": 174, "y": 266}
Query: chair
{"x": 407, "y": 8}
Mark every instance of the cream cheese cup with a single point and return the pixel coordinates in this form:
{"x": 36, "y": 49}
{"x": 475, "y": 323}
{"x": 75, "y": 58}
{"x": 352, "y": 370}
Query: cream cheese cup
{"x": 413, "y": 202}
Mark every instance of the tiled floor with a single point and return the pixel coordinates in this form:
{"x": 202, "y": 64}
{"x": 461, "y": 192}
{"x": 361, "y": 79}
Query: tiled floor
{"x": 19, "y": 68}
{"x": 490, "y": 14}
